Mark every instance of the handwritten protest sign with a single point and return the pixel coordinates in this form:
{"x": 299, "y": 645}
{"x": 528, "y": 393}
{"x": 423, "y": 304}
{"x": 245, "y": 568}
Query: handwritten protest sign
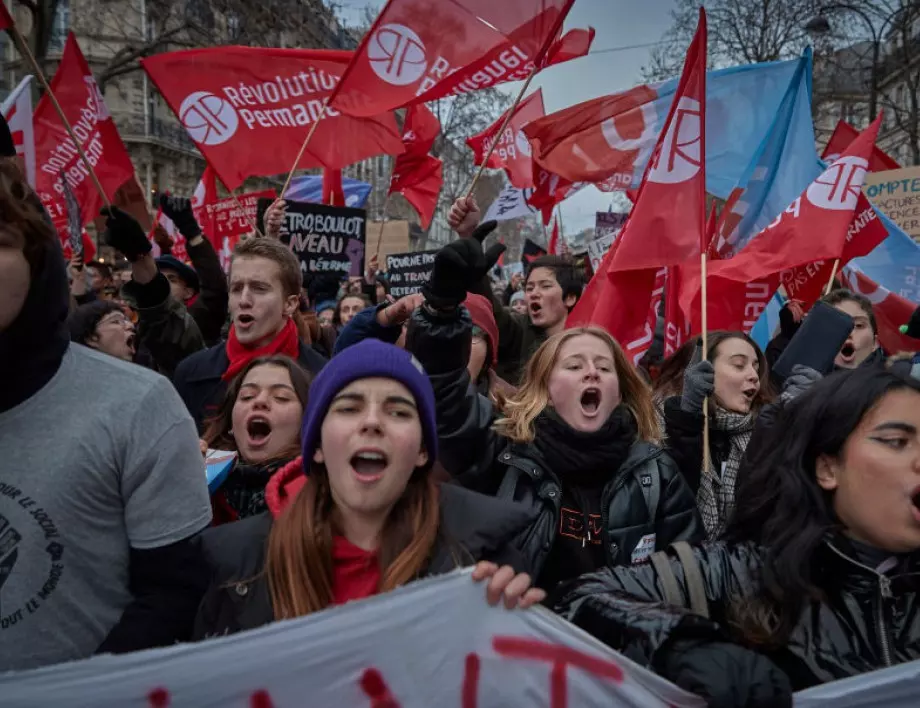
{"x": 225, "y": 220}
{"x": 433, "y": 643}
{"x": 897, "y": 193}
{"x": 408, "y": 272}
{"x": 607, "y": 227}
{"x": 326, "y": 239}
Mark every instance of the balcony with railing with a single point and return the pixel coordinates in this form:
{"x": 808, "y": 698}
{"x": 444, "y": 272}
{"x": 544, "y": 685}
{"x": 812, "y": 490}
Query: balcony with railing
{"x": 169, "y": 134}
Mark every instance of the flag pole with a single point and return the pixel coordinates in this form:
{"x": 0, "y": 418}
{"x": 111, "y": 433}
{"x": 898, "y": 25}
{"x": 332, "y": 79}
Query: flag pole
{"x": 705, "y": 357}
{"x": 830, "y": 281}
{"x": 383, "y": 222}
{"x": 501, "y": 130}
{"x": 303, "y": 147}
{"x": 24, "y": 50}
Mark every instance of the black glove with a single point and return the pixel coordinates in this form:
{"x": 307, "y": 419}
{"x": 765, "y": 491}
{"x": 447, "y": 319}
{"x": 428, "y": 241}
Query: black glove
{"x": 495, "y": 251}
{"x": 912, "y": 328}
{"x": 179, "y": 209}
{"x": 457, "y": 267}
{"x": 124, "y": 234}
{"x": 699, "y": 383}
{"x": 726, "y": 675}
{"x": 787, "y": 324}
{"x": 800, "y": 379}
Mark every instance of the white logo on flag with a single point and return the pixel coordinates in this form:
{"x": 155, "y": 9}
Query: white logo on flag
{"x": 397, "y": 55}
{"x": 839, "y": 186}
{"x": 644, "y": 114}
{"x": 680, "y": 157}
{"x": 209, "y": 119}
{"x": 522, "y": 143}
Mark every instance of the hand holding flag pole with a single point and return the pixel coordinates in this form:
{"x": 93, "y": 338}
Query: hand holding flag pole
{"x": 26, "y": 53}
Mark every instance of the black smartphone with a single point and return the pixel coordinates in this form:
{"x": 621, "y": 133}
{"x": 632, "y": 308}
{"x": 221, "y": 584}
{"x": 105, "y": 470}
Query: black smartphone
{"x": 816, "y": 344}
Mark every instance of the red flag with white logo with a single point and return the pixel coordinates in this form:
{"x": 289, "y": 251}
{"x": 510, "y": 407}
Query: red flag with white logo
{"x": 573, "y": 44}
{"x": 815, "y": 227}
{"x": 248, "y": 109}
{"x": 512, "y": 151}
{"x": 891, "y": 310}
{"x": 415, "y": 54}
{"x": 417, "y": 175}
{"x": 82, "y": 103}
{"x": 550, "y": 190}
{"x": 840, "y": 140}
{"x": 17, "y": 111}
{"x": 666, "y": 226}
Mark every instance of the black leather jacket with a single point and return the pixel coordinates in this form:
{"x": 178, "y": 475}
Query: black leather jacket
{"x": 647, "y": 495}
{"x": 865, "y": 621}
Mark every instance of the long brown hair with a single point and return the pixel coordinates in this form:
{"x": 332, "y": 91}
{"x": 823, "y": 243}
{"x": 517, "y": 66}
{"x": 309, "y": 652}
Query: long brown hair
{"x": 765, "y": 394}
{"x": 532, "y": 395}
{"x": 218, "y": 433}
{"x": 299, "y": 558}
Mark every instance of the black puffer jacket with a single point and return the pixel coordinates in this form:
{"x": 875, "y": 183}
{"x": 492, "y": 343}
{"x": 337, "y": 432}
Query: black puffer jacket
{"x": 473, "y": 528}
{"x": 867, "y": 620}
{"x": 647, "y": 495}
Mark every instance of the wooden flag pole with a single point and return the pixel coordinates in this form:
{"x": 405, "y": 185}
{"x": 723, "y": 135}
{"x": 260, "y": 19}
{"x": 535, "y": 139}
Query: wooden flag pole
{"x": 24, "y": 50}
{"x": 705, "y": 357}
{"x": 383, "y": 222}
{"x": 830, "y": 281}
{"x": 303, "y": 147}
{"x": 501, "y": 130}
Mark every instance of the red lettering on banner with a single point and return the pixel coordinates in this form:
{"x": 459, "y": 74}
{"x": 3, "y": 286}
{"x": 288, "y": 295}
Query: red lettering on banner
{"x": 470, "y": 681}
{"x": 376, "y": 689}
{"x": 560, "y": 657}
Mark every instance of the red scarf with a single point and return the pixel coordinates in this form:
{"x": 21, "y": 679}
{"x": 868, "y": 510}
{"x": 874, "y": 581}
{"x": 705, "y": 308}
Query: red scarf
{"x": 285, "y": 342}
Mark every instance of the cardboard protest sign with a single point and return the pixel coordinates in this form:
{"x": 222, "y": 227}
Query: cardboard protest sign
{"x": 326, "y": 239}
{"x": 607, "y": 227}
{"x": 408, "y": 272}
{"x": 897, "y": 193}
{"x": 433, "y": 643}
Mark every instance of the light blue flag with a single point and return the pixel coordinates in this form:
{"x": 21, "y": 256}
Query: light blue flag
{"x": 895, "y": 262}
{"x": 309, "y": 188}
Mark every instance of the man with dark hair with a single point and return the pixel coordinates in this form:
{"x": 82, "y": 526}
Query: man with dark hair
{"x": 552, "y": 286}
{"x": 861, "y": 347}
{"x": 265, "y": 282}
{"x": 102, "y": 483}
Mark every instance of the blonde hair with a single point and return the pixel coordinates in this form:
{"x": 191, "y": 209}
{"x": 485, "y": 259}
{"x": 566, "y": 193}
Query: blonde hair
{"x": 532, "y": 397}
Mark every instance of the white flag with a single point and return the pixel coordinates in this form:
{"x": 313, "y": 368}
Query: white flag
{"x": 17, "y": 111}
{"x": 510, "y": 204}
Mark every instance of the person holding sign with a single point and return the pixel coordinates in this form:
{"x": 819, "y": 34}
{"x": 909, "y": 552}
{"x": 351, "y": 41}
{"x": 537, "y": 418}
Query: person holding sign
{"x": 265, "y": 284}
{"x": 361, "y": 513}
{"x": 817, "y": 570}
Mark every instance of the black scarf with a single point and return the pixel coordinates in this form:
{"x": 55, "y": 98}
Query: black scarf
{"x": 244, "y": 488}
{"x": 585, "y": 459}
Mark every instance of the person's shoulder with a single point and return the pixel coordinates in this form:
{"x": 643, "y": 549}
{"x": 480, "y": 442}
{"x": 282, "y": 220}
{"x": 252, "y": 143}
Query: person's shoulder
{"x": 310, "y": 359}
{"x": 203, "y": 364}
{"x": 121, "y": 378}
{"x": 237, "y": 550}
{"x": 480, "y": 522}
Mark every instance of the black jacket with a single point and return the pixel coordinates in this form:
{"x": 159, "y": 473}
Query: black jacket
{"x": 647, "y": 495}
{"x": 210, "y": 307}
{"x": 198, "y": 378}
{"x": 866, "y": 621}
{"x": 684, "y": 433}
{"x": 473, "y": 528}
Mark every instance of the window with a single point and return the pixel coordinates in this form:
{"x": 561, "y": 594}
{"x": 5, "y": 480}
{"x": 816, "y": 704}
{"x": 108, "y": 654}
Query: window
{"x": 233, "y": 26}
{"x": 60, "y": 26}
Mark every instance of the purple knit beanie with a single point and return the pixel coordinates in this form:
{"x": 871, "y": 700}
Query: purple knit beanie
{"x": 367, "y": 359}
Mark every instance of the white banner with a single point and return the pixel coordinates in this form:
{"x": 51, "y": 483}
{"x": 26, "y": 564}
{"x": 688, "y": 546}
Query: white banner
{"x": 511, "y": 203}
{"x": 607, "y": 227}
{"x": 434, "y": 643}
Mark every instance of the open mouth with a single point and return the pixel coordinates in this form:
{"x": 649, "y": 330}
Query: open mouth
{"x": 245, "y": 320}
{"x": 258, "y": 429}
{"x": 847, "y": 350}
{"x": 535, "y": 308}
{"x": 590, "y": 400}
{"x": 749, "y": 393}
{"x": 369, "y": 465}
{"x": 131, "y": 343}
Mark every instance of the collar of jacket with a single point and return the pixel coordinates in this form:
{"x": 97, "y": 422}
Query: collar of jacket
{"x": 844, "y": 569}
{"x": 526, "y": 458}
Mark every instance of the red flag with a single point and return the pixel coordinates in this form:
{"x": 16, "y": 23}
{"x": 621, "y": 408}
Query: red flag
{"x": 815, "y": 227}
{"x": 414, "y": 54}
{"x": 891, "y": 310}
{"x": 676, "y": 327}
{"x": 549, "y": 190}
{"x": 512, "y": 153}
{"x": 249, "y": 109}
{"x": 553, "y": 248}
{"x": 840, "y": 140}
{"x": 573, "y": 44}
{"x": 6, "y": 20}
{"x": 205, "y": 196}
{"x": 333, "y": 191}
{"x": 420, "y": 183}
{"x": 82, "y": 103}
{"x": 419, "y": 132}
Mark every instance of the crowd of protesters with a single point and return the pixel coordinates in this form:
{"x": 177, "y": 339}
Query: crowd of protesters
{"x": 382, "y": 440}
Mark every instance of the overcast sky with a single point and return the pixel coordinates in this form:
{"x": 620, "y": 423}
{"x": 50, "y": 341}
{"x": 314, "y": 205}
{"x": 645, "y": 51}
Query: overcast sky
{"x": 619, "y": 24}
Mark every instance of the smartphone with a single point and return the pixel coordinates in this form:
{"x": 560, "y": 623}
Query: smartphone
{"x": 817, "y": 341}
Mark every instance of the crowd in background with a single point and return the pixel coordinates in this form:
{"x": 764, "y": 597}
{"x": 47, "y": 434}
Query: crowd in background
{"x": 382, "y": 440}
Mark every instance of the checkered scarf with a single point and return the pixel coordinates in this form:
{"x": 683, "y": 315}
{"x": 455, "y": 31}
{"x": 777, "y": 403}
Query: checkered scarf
{"x": 716, "y": 495}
